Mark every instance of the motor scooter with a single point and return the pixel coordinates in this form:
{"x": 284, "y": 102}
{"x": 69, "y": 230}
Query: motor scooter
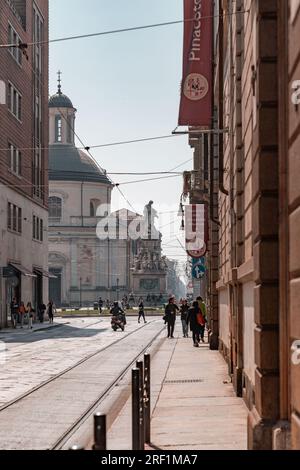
{"x": 117, "y": 321}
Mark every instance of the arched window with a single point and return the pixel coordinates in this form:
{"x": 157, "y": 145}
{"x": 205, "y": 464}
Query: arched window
{"x": 92, "y": 209}
{"x": 58, "y": 128}
{"x": 94, "y": 204}
{"x": 55, "y": 207}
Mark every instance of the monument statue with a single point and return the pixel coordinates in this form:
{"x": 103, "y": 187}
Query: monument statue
{"x": 149, "y": 230}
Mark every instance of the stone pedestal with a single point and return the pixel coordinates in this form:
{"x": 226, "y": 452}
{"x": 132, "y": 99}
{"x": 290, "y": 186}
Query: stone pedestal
{"x": 149, "y": 283}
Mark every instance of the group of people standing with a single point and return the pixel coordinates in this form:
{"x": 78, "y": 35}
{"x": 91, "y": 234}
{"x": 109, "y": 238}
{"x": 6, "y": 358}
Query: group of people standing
{"x": 19, "y": 312}
{"x": 193, "y": 317}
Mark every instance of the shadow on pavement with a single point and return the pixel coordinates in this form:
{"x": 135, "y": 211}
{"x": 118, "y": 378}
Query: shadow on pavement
{"x": 57, "y": 332}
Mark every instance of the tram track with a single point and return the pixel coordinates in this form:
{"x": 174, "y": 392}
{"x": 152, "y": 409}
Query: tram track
{"x": 63, "y": 439}
{"x": 65, "y": 371}
{"x": 133, "y": 343}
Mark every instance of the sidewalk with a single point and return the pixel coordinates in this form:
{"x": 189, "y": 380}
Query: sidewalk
{"x": 36, "y": 327}
{"x": 193, "y": 403}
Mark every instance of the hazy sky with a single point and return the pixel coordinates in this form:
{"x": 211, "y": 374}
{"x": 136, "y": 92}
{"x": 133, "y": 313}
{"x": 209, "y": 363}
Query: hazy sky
{"x": 126, "y": 86}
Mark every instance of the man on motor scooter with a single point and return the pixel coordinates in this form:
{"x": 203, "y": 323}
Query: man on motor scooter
{"x": 118, "y": 312}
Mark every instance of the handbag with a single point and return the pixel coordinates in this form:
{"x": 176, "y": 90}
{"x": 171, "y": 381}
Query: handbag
{"x": 200, "y": 319}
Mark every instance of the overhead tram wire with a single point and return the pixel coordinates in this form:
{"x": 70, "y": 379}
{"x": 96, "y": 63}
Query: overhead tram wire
{"x": 115, "y": 184}
{"x": 110, "y": 144}
{"x": 87, "y": 148}
{"x": 79, "y": 139}
{"x": 23, "y": 46}
{"x": 149, "y": 179}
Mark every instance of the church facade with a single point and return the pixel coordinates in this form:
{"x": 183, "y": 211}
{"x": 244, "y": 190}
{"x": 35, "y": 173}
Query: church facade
{"x": 82, "y": 266}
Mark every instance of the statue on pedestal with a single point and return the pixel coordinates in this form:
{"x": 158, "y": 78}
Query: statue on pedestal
{"x": 149, "y": 230}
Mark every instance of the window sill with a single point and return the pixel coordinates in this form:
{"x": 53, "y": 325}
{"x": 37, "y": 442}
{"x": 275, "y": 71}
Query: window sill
{"x": 15, "y": 174}
{"x": 38, "y": 241}
{"x": 15, "y": 60}
{"x": 16, "y": 117}
{"x": 14, "y": 233}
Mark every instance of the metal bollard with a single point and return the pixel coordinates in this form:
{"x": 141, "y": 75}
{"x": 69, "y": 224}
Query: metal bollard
{"x": 99, "y": 431}
{"x": 140, "y": 366}
{"x": 135, "y": 384}
{"x": 147, "y": 387}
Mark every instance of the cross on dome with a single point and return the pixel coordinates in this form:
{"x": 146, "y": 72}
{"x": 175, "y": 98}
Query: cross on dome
{"x": 59, "y": 73}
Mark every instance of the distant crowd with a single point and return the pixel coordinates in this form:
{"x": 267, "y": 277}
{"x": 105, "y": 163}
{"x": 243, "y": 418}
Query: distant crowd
{"x": 21, "y": 314}
{"x": 129, "y": 301}
{"x": 193, "y": 316}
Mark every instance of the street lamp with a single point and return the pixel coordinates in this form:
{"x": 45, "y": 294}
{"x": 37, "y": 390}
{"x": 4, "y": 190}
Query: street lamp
{"x": 80, "y": 302}
{"x": 118, "y": 288}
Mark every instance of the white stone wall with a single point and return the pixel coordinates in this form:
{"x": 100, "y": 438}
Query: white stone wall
{"x": 224, "y": 317}
{"x": 74, "y": 194}
{"x": 75, "y": 248}
{"x": 22, "y": 248}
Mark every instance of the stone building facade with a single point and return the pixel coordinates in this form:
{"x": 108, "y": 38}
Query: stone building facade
{"x": 23, "y": 155}
{"x": 257, "y": 67}
{"x": 83, "y": 265}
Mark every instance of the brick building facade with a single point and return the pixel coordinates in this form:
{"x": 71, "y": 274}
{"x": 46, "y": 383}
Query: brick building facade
{"x": 257, "y": 58}
{"x": 23, "y": 154}
{"x": 250, "y": 164}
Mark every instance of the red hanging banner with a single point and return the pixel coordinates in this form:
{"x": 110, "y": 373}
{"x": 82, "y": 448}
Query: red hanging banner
{"x": 196, "y": 88}
{"x": 196, "y": 229}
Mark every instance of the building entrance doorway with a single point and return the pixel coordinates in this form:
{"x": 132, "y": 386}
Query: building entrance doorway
{"x": 37, "y": 292}
{"x": 55, "y": 286}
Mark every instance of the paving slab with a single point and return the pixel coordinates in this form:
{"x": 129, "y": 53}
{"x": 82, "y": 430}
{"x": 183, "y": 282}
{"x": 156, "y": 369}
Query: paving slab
{"x": 194, "y": 406}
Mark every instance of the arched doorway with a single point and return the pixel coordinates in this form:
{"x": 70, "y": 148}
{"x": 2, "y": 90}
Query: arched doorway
{"x": 55, "y": 287}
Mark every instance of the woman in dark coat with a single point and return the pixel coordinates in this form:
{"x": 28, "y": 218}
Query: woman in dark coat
{"x": 195, "y": 327}
{"x": 170, "y": 316}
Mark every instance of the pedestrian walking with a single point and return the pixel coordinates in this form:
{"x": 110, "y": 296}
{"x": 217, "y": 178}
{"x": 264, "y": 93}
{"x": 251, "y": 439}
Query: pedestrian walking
{"x": 141, "y": 312}
{"x": 30, "y": 313}
{"x": 50, "y": 311}
{"x": 195, "y": 321}
{"x": 107, "y": 304}
{"x": 41, "y": 312}
{"x": 14, "y": 312}
{"x": 170, "y": 316}
{"x": 202, "y": 307}
{"x": 22, "y": 313}
{"x": 100, "y": 305}
{"x": 184, "y": 313}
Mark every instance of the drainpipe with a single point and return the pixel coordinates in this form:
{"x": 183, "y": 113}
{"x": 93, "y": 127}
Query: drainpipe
{"x": 221, "y": 88}
{"x": 209, "y": 141}
{"x": 212, "y": 188}
{"x": 82, "y": 203}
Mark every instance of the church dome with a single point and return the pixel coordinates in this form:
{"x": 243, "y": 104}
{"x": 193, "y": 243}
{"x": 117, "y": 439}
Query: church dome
{"x": 67, "y": 163}
{"x": 59, "y": 100}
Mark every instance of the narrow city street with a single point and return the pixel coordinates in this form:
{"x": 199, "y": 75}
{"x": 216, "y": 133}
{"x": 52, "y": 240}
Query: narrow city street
{"x": 149, "y": 171}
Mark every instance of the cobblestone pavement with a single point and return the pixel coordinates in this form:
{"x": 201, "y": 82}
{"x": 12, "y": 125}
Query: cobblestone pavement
{"x": 29, "y": 358}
